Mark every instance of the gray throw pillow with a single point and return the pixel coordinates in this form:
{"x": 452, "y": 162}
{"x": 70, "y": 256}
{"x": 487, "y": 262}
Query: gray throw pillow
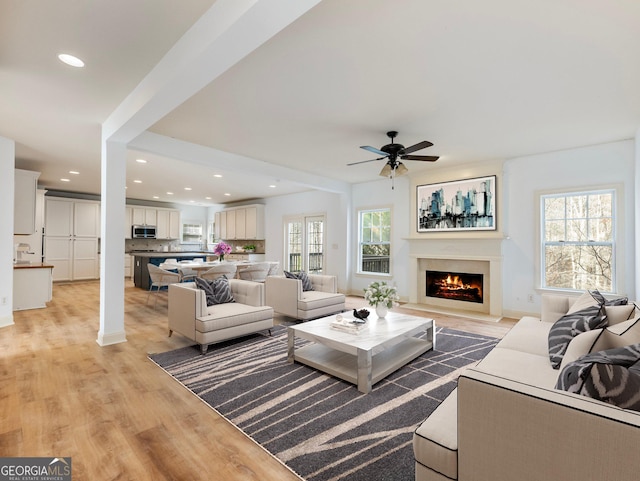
{"x": 612, "y": 376}
{"x": 218, "y": 290}
{"x": 302, "y": 275}
{"x": 572, "y": 324}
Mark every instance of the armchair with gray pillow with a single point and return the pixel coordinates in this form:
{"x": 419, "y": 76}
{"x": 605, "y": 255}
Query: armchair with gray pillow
{"x": 229, "y": 308}
{"x": 320, "y": 298}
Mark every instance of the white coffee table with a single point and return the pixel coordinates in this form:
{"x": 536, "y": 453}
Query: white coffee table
{"x": 363, "y": 359}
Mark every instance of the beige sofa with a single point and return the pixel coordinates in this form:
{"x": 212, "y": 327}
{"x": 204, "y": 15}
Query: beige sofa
{"x": 506, "y": 422}
{"x": 287, "y": 297}
{"x": 190, "y": 316}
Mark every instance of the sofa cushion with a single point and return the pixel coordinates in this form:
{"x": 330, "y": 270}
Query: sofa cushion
{"x": 530, "y": 335}
{"x": 612, "y": 376}
{"x": 519, "y": 366}
{"x": 317, "y": 299}
{"x": 620, "y": 313}
{"x": 435, "y": 441}
{"x": 223, "y": 316}
{"x": 585, "y": 315}
{"x": 217, "y": 290}
{"x": 302, "y": 275}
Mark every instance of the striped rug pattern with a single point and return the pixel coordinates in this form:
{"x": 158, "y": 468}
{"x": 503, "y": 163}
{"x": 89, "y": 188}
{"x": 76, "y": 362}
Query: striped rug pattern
{"x": 319, "y": 426}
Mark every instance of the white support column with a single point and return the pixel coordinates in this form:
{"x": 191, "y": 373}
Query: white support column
{"x": 7, "y": 176}
{"x": 637, "y": 214}
{"x": 113, "y": 200}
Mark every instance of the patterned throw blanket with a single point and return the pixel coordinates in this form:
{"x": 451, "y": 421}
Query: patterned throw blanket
{"x": 612, "y": 376}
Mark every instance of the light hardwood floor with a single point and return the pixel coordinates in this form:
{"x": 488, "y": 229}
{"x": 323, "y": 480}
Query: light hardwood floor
{"x": 117, "y": 414}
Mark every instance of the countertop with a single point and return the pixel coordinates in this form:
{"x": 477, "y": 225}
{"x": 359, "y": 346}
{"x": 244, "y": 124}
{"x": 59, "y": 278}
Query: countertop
{"x": 33, "y": 265}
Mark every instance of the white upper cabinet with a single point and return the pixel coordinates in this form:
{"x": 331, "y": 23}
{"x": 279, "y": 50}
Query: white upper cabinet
{"x": 174, "y": 224}
{"x": 244, "y": 223}
{"x": 138, "y": 216}
{"x": 162, "y": 224}
{"x": 127, "y": 222}
{"x": 25, "y": 185}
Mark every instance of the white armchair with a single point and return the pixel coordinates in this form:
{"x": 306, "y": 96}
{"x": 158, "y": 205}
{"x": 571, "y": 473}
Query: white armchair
{"x": 287, "y": 297}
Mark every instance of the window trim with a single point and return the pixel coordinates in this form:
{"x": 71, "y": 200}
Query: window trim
{"x": 618, "y": 241}
{"x": 359, "y": 271}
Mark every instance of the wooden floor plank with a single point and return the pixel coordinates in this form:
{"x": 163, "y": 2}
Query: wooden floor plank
{"x": 114, "y": 411}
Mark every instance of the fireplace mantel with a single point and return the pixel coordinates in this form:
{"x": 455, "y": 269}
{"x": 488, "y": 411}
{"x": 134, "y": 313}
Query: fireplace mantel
{"x": 487, "y": 250}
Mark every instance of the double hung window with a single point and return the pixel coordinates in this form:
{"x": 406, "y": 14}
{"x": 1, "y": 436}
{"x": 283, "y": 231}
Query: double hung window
{"x": 578, "y": 240}
{"x": 374, "y": 245}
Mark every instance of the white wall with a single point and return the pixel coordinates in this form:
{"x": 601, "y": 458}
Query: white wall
{"x": 525, "y": 177}
{"x": 337, "y": 210}
{"x": 7, "y": 166}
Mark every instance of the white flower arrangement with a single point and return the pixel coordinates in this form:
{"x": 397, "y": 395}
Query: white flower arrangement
{"x": 381, "y": 293}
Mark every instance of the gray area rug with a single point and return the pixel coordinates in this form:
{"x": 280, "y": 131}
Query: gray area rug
{"x": 319, "y": 426}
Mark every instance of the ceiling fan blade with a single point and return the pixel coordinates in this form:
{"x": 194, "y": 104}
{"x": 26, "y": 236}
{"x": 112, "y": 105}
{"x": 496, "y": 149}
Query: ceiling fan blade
{"x": 363, "y": 161}
{"x": 419, "y": 146}
{"x": 373, "y": 149}
{"x": 426, "y": 158}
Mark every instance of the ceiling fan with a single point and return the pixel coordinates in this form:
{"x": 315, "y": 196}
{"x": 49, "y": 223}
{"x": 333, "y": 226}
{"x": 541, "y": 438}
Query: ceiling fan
{"x": 393, "y": 152}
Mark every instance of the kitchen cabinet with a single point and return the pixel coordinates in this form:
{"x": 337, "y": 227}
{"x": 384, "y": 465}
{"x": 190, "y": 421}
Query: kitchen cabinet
{"x": 241, "y": 223}
{"x": 144, "y": 216}
{"x": 167, "y": 221}
{"x": 128, "y": 271}
{"x": 168, "y": 224}
{"x": 31, "y": 286}
{"x": 72, "y": 228}
{"x": 127, "y": 222}
{"x": 25, "y": 188}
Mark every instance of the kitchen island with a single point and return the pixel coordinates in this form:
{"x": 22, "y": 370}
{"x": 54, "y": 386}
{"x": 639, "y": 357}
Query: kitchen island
{"x": 32, "y": 285}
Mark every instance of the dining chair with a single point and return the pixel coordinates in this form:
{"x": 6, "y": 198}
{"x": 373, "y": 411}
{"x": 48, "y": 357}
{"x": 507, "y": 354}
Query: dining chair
{"x": 160, "y": 278}
{"x": 274, "y": 266}
{"x": 224, "y": 269}
{"x": 256, "y": 272}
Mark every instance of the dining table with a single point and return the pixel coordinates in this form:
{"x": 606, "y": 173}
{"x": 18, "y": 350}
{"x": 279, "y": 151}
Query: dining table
{"x": 203, "y": 266}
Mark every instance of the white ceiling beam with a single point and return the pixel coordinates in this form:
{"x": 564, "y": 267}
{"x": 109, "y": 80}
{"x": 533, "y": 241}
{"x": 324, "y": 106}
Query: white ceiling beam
{"x": 226, "y": 33}
{"x": 210, "y": 157}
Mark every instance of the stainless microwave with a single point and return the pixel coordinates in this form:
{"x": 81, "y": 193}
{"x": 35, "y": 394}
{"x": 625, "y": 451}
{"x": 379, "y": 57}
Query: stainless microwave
{"x": 143, "y": 232}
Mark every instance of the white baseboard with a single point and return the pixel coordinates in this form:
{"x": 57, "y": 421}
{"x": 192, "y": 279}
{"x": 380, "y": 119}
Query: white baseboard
{"x": 110, "y": 339}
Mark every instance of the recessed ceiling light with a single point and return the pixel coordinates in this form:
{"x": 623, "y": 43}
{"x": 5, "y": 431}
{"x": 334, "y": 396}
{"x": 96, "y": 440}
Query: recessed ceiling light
{"x": 71, "y": 60}
{"x": 65, "y": 180}
{"x": 217, "y": 175}
{"x": 169, "y": 193}
{"x": 192, "y": 201}
{"x": 187, "y": 188}
{"x": 227, "y": 194}
{"x": 137, "y": 181}
{"x": 74, "y": 172}
{"x": 272, "y": 186}
{"x": 156, "y": 197}
{"x": 208, "y": 198}
{"x": 141, "y": 161}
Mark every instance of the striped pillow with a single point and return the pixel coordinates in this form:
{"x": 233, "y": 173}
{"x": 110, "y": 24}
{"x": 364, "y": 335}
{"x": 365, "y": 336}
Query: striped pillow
{"x": 612, "y": 376}
{"x": 218, "y": 290}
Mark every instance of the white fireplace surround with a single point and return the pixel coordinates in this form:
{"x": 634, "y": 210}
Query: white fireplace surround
{"x": 475, "y": 256}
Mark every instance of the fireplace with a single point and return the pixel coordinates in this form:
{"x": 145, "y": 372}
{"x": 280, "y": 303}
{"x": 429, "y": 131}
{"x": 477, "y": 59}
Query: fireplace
{"x": 457, "y": 286}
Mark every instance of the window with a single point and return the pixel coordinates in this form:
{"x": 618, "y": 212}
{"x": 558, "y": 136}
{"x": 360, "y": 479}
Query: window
{"x": 578, "y": 240}
{"x": 305, "y": 244}
{"x": 374, "y": 248}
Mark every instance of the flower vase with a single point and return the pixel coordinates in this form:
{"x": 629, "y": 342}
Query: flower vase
{"x": 381, "y": 310}
{"x": 221, "y": 257}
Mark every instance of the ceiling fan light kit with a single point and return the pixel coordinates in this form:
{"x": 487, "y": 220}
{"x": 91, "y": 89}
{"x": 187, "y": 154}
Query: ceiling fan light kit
{"x": 392, "y": 152}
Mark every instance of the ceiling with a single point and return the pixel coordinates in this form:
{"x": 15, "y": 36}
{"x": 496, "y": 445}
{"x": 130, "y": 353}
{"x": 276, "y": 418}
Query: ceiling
{"x": 483, "y": 81}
